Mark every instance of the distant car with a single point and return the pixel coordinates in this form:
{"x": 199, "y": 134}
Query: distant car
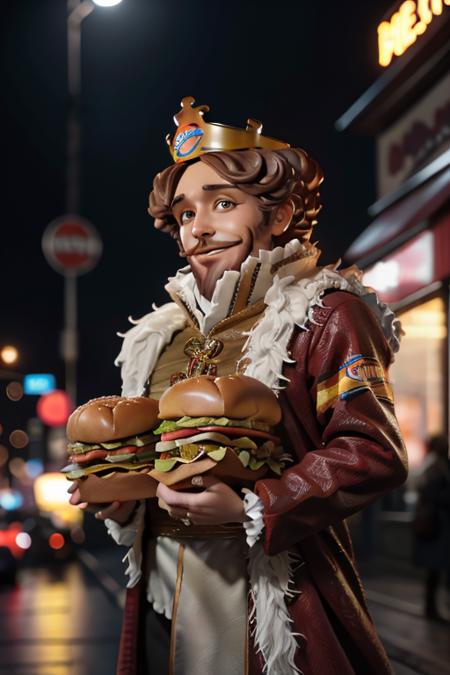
{"x": 8, "y": 567}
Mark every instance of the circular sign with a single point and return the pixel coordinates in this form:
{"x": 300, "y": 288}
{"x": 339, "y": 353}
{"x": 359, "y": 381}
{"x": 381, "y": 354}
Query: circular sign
{"x": 54, "y": 408}
{"x": 71, "y": 245}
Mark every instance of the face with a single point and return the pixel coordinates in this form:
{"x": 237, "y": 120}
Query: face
{"x": 220, "y": 226}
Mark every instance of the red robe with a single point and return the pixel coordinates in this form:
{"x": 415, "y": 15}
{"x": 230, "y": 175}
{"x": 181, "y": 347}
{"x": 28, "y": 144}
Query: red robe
{"x": 339, "y": 423}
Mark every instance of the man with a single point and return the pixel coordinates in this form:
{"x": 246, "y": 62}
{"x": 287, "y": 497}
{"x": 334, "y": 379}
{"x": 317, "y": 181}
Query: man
{"x": 241, "y": 207}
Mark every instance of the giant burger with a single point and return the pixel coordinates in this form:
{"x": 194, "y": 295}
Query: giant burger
{"x": 111, "y": 447}
{"x": 223, "y": 425}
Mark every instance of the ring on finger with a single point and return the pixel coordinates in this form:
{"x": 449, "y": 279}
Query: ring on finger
{"x": 187, "y": 519}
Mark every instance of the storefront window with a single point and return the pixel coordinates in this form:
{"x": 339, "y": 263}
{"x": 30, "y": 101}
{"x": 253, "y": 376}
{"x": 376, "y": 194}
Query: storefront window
{"x": 419, "y": 378}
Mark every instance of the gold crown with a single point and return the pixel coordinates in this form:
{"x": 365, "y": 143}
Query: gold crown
{"x": 194, "y": 136}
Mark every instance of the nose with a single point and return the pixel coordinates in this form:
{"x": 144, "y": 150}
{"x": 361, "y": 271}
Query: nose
{"x": 202, "y": 225}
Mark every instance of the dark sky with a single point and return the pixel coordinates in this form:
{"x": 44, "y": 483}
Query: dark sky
{"x": 297, "y": 66}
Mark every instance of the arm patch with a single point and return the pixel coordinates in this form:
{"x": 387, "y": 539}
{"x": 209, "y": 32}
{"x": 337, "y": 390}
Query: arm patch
{"x": 355, "y": 376}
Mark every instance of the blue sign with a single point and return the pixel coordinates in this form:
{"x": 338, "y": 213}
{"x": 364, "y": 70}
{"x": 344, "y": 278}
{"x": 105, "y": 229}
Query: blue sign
{"x": 37, "y": 384}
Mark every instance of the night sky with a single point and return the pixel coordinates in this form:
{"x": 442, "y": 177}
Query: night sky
{"x": 296, "y": 66}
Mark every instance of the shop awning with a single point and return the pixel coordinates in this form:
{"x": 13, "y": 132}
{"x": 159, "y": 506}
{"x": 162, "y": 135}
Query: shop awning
{"x": 400, "y": 220}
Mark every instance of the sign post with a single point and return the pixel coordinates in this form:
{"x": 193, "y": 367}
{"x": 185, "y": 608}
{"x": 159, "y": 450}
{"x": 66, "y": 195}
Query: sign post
{"x": 72, "y": 246}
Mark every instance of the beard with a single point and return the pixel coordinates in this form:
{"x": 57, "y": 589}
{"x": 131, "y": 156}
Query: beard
{"x": 207, "y": 275}
{"x": 209, "y": 270}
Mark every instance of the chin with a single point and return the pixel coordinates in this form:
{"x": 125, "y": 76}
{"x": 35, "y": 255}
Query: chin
{"x": 208, "y": 272}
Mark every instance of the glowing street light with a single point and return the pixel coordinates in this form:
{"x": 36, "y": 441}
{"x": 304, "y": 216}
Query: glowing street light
{"x": 9, "y": 354}
{"x": 106, "y": 3}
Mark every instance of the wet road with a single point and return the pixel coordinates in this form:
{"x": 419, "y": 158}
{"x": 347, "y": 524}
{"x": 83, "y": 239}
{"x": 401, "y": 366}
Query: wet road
{"x": 68, "y": 622}
{"x": 58, "y": 623}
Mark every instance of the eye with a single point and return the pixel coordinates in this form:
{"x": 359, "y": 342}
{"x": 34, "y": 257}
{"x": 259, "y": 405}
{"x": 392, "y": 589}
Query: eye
{"x": 225, "y": 204}
{"x": 186, "y": 216}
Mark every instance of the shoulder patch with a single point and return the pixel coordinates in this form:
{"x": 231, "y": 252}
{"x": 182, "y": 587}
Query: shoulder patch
{"x": 358, "y": 374}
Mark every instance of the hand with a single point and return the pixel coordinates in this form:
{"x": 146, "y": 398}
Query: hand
{"x": 215, "y": 505}
{"x": 118, "y": 511}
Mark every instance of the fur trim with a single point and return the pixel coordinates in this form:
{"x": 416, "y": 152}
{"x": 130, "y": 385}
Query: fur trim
{"x": 144, "y": 343}
{"x": 291, "y": 303}
{"x": 269, "y": 584}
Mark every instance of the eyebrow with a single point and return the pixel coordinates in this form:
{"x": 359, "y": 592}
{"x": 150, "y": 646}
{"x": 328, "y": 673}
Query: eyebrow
{"x": 207, "y": 188}
{"x": 176, "y": 199}
{"x": 219, "y": 186}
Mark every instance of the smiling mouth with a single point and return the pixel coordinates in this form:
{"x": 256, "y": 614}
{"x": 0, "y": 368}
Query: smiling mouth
{"x": 212, "y": 249}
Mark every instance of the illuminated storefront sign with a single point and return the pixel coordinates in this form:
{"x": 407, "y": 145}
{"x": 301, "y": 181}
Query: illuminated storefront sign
{"x": 404, "y": 272}
{"x": 405, "y": 25}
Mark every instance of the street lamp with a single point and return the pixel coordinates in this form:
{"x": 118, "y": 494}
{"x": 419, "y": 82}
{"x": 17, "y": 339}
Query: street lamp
{"x": 9, "y": 355}
{"x": 77, "y": 11}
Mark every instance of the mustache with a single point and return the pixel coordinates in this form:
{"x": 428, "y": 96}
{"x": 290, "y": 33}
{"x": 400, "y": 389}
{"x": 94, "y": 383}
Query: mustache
{"x": 204, "y": 246}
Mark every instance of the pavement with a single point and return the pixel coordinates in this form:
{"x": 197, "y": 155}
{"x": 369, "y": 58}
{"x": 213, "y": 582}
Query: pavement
{"x": 58, "y": 621}
{"x": 65, "y": 620}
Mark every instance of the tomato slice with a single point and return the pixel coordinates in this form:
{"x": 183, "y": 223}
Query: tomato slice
{"x": 88, "y": 456}
{"x": 226, "y": 431}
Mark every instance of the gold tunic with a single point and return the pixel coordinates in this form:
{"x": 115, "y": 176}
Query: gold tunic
{"x": 230, "y": 331}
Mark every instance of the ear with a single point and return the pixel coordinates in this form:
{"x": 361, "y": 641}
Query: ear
{"x": 281, "y": 218}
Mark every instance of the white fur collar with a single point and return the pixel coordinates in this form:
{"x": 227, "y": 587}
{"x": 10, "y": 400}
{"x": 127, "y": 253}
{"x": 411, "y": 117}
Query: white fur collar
{"x": 290, "y": 303}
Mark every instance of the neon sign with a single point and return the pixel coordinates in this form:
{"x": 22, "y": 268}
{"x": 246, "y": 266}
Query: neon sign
{"x": 401, "y": 31}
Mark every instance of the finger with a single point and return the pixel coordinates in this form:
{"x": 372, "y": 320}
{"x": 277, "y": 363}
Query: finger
{"x": 107, "y": 512}
{"x": 75, "y": 498}
{"x": 163, "y": 505}
{"x": 173, "y": 497}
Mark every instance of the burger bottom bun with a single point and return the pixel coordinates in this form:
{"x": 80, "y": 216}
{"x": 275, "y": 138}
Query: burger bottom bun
{"x": 131, "y": 485}
{"x": 121, "y": 487}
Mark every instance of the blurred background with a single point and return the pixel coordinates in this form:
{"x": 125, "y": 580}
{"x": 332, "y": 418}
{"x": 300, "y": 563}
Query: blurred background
{"x": 89, "y": 92}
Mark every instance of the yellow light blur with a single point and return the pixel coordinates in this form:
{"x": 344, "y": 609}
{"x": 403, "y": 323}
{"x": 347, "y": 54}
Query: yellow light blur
{"x": 50, "y": 494}
{"x": 412, "y": 19}
{"x": 9, "y": 354}
{"x": 418, "y": 376}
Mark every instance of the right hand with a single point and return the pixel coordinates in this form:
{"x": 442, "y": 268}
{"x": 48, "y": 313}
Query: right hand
{"x": 118, "y": 511}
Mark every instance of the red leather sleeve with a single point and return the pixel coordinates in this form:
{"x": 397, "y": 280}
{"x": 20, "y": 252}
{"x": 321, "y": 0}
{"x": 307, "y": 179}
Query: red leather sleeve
{"x": 359, "y": 452}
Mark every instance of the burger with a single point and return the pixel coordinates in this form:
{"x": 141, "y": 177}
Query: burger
{"x": 223, "y": 425}
{"x": 111, "y": 447}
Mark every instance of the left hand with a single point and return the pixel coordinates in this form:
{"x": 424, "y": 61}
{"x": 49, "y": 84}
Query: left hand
{"x": 215, "y": 505}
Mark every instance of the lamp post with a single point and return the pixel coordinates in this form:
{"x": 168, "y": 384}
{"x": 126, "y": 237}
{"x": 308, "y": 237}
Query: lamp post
{"x": 77, "y": 11}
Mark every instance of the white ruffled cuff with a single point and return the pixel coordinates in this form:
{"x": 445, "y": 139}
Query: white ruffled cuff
{"x": 254, "y": 509}
{"x": 126, "y": 535}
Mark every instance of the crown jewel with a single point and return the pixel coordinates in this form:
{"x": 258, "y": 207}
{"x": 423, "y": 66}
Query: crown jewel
{"x": 194, "y": 136}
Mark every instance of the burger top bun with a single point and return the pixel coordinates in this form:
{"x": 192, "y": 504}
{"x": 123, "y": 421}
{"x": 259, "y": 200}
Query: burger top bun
{"x": 234, "y": 396}
{"x": 112, "y": 417}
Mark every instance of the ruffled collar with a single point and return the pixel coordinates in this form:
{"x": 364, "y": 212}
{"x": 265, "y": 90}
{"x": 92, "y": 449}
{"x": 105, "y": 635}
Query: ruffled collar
{"x": 239, "y": 289}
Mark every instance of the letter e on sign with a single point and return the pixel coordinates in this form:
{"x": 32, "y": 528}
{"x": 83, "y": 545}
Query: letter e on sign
{"x": 71, "y": 245}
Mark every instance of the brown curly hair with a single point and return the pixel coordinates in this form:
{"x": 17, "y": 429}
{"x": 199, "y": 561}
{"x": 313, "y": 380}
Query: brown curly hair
{"x": 274, "y": 176}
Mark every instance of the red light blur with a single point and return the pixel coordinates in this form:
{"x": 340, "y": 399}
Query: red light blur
{"x": 56, "y": 541}
{"x": 54, "y": 408}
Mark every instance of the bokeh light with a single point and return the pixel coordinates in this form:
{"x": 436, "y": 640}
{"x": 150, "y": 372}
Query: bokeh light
{"x": 14, "y": 391}
{"x": 9, "y": 354}
{"x": 54, "y": 408}
{"x": 17, "y": 467}
{"x": 34, "y": 467}
{"x": 10, "y": 500}
{"x": 23, "y": 540}
{"x": 18, "y": 439}
{"x": 56, "y": 541}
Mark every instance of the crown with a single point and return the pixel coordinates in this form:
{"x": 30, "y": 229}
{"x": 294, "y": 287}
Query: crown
{"x": 194, "y": 136}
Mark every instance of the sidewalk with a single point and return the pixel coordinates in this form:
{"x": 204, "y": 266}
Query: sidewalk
{"x": 395, "y": 595}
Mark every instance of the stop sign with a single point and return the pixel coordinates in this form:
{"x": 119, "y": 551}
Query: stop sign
{"x": 71, "y": 245}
